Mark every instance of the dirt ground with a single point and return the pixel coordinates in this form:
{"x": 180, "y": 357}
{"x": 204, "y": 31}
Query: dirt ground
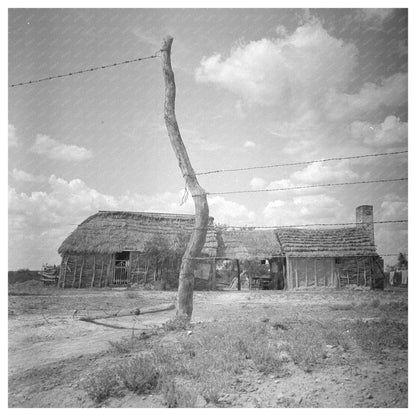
{"x": 51, "y": 351}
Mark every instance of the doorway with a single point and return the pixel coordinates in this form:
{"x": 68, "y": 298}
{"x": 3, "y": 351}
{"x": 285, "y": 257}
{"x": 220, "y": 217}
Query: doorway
{"x": 122, "y": 268}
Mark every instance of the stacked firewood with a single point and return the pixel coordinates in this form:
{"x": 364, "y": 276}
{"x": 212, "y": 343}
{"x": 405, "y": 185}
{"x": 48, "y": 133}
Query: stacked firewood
{"x": 50, "y": 274}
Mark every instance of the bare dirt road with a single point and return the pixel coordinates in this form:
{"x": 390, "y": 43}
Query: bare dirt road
{"x": 52, "y": 352}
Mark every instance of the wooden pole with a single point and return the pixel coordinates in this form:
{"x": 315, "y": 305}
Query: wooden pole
{"x": 289, "y": 273}
{"x": 193, "y": 249}
{"x": 306, "y": 272}
{"x": 80, "y": 273}
{"x": 238, "y": 274}
{"x": 75, "y": 272}
{"x": 93, "y": 272}
{"x": 102, "y": 270}
{"x": 296, "y": 273}
{"x": 315, "y": 274}
{"x": 64, "y": 276}
{"x": 358, "y": 270}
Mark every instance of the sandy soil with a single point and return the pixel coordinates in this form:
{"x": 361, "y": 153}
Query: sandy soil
{"x": 51, "y": 351}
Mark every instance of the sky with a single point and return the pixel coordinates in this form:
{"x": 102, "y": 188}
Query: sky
{"x": 254, "y": 87}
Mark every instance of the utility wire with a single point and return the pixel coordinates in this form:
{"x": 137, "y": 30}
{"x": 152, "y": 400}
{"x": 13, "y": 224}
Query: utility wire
{"x": 299, "y": 163}
{"x": 82, "y": 71}
{"x": 272, "y": 227}
{"x": 303, "y": 187}
{"x": 210, "y": 258}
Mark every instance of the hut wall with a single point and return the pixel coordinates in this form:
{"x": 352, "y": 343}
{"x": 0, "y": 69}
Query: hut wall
{"x": 304, "y": 272}
{"x": 355, "y": 270}
{"x": 97, "y": 270}
{"x": 85, "y": 270}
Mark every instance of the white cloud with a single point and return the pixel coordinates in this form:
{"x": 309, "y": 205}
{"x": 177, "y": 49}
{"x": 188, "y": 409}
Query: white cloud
{"x": 394, "y": 207}
{"x": 229, "y": 212}
{"x": 303, "y": 209}
{"x": 321, "y": 172}
{"x": 389, "y": 93}
{"x": 248, "y": 144}
{"x": 315, "y": 173}
{"x": 50, "y": 216}
{"x": 22, "y": 176}
{"x": 374, "y": 15}
{"x": 44, "y": 145}
{"x": 257, "y": 183}
{"x": 391, "y": 132}
{"x": 289, "y": 70}
{"x": 12, "y": 136}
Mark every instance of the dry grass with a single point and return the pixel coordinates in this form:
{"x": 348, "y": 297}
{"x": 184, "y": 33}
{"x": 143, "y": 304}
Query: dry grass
{"x": 201, "y": 365}
{"x": 376, "y": 336}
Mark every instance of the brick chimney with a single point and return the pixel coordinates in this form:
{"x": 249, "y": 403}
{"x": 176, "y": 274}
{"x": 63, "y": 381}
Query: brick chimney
{"x": 364, "y": 219}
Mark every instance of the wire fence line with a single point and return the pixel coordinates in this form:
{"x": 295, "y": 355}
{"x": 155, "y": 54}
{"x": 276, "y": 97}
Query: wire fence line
{"x": 210, "y": 258}
{"x": 83, "y": 71}
{"x": 278, "y": 165}
{"x": 290, "y": 188}
{"x": 339, "y": 224}
{"x": 272, "y": 227}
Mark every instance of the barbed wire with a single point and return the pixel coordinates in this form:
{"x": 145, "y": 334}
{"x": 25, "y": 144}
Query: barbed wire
{"x": 82, "y": 71}
{"x": 209, "y": 172}
{"x": 210, "y": 258}
{"x": 303, "y": 187}
{"x": 305, "y": 225}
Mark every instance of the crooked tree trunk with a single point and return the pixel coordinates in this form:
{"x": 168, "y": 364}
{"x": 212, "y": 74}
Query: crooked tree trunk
{"x": 186, "y": 275}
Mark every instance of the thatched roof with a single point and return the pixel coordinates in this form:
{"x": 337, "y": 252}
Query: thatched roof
{"x": 247, "y": 244}
{"x": 116, "y": 231}
{"x": 335, "y": 242}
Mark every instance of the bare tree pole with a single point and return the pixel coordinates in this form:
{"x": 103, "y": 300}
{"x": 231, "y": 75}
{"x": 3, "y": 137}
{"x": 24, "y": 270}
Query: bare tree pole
{"x": 184, "y": 305}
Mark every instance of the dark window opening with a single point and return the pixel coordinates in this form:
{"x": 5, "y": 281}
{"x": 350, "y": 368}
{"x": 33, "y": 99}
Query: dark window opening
{"x": 337, "y": 260}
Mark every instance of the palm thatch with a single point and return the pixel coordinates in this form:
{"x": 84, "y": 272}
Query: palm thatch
{"x": 116, "y": 231}
{"x": 248, "y": 244}
{"x": 335, "y": 242}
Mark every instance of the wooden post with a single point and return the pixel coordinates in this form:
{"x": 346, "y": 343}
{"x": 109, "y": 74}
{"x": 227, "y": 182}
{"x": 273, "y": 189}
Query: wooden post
{"x": 358, "y": 270}
{"x": 315, "y": 274}
{"x": 101, "y": 273}
{"x": 238, "y": 274}
{"x": 296, "y": 273}
{"x": 64, "y": 273}
{"x": 75, "y": 272}
{"x": 93, "y": 272}
{"x": 214, "y": 274}
{"x": 80, "y": 273}
{"x": 109, "y": 269}
{"x": 365, "y": 276}
{"x": 306, "y": 272}
{"x": 332, "y": 272}
{"x": 289, "y": 273}
{"x": 197, "y": 240}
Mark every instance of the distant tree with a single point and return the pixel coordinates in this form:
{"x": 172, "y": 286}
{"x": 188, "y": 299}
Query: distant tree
{"x": 402, "y": 262}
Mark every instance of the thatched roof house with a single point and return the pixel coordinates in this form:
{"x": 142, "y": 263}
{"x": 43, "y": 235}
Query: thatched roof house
{"x": 303, "y": 257}
{"x": 248, "y": 244}
{"x": 106, "y": 248}
{"x": 335, "y": 242}
{"x": 109, "y": 232}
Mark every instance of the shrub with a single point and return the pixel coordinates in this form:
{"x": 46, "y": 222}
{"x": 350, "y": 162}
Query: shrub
{"x": 139, "y": 374}
{"x": 177, "y": 324}
{"x": 101, "y": 385}
{"x": 177, "y": 395}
